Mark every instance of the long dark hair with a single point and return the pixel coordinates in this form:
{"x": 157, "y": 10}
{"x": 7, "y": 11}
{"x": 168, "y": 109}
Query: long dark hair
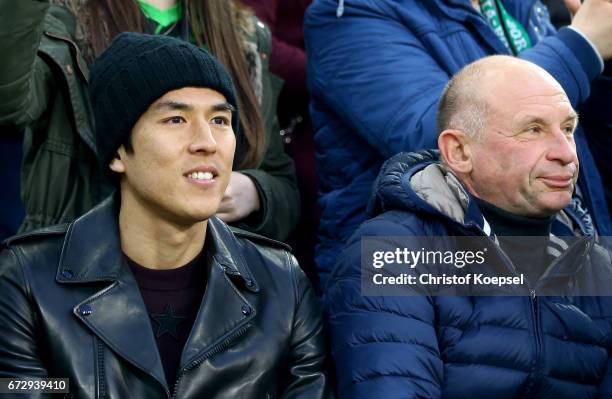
{"x": 214, "y": 23}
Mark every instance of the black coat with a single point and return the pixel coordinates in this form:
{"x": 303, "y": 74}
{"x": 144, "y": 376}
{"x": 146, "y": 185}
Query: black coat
{"x": 71, "y": 308}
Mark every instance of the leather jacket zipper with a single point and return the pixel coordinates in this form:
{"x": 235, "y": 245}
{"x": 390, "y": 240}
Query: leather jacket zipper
{"x": 213, "y": 351}
{"x": 100, "y": 371}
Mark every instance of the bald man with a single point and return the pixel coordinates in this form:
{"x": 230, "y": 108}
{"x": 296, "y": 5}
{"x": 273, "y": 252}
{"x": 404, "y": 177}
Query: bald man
{"x": 507, "y": 172}
{"x": 377, "y": 68}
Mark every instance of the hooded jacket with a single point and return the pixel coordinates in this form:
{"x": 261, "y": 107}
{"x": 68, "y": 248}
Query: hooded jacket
{"x": 71, "y": 308}
{"x": 499, "y": 347}
{"x": 376, "y": 70}
{"x": 43, "y": 96}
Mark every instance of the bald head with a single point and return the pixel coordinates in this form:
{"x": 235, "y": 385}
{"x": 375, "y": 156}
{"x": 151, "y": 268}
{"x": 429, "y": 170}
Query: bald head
{"x": 465, "y": 101}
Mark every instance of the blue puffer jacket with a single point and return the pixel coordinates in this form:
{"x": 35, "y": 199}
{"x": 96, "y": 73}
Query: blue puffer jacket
{"x": 461, "y": 347}
{"x": 376, "y": 74}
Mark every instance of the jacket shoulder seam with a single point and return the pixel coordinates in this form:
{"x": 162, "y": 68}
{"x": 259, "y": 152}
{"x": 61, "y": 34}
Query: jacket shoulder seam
{"x": 260, "y": 239}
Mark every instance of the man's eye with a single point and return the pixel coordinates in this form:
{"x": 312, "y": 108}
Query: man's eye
{"x": 534, "y": 130}
{"x": 569, "y": 130}
{"x": 174, "y": 120}
{"x": 220, "y": 120}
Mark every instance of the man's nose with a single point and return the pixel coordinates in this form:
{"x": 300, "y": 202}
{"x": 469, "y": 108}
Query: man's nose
{"x": 202, "y": 138}
{"x": 562, "y": 148}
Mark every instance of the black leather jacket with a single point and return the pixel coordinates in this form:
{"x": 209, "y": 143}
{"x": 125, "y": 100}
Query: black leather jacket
{"x": 70, "y": 307}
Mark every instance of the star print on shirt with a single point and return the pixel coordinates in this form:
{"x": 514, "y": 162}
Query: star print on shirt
{"x": 167, "y": 322}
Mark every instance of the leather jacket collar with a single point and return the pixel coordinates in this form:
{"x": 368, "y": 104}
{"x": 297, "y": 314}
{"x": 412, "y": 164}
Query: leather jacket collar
{"x": 92, "y": 248}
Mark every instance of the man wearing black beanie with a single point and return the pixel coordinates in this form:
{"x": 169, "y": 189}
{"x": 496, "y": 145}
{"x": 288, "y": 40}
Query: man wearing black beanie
{"x": 149, "y": 295}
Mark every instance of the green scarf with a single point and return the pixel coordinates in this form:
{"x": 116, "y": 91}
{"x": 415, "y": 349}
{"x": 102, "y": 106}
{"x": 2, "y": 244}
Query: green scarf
{"x": 507, "y": 29}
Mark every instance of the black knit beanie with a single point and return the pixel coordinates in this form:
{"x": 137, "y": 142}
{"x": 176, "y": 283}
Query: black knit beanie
{"x": 136, "y": 70}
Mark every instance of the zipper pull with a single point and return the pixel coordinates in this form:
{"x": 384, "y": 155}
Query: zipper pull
{"x": 340, "y": 9}
{"x": 533, "y": 294}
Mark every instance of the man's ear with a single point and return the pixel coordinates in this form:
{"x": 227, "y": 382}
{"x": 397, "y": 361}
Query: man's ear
{"x": 456, "y": 150}
{"x": 116, "y": 164}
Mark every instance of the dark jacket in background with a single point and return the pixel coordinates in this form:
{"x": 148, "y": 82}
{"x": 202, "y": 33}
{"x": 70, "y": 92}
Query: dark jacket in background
{"x": 376, "y": 74}
{"x": 43, "y": 94}
{"x": 12, "y": 211}
{"x": 71, "y": 308}
{"x": 502, "y": 347}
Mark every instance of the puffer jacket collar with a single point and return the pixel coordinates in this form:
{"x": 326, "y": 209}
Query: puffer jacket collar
{"x": 116, "y": 314}
{"x": 417, "y": 182}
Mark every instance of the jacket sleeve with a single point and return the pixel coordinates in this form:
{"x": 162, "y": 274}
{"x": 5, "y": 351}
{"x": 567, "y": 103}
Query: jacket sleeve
{"x": 382, "y": 346}
{"x": 275, "y": 178}
{"x": 278, "y": 194}
{"x": 596, "y": 118}
{"x": 570, "y": 59}
{"x": 307, "y": 369}
{"x": 23, "y": 75}
{"x": 19, "y": 352}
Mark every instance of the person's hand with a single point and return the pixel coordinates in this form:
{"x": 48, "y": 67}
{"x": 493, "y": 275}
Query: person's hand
{"x": 240, "y": 199}
{"x": 594, "y": 19}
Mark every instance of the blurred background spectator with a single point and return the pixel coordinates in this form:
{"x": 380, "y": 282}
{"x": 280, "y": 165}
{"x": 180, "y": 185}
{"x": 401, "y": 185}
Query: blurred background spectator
{"x": 285, "y": 19}
{"x": 43, "y": 97}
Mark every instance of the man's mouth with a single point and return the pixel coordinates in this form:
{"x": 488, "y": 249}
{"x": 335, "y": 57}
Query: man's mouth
{"x": 558, "y": 181}
{"x": 201, "y": 176}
